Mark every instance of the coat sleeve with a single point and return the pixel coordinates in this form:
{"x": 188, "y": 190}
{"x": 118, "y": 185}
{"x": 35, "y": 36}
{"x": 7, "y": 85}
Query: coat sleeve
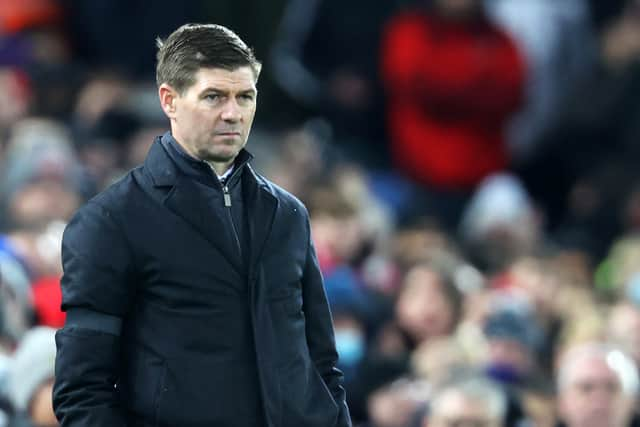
{"x": 319, "y": 331}
{"x": 95, "y": 294}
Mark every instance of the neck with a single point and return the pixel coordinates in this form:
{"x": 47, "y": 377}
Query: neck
{"x": 218, "y": 167}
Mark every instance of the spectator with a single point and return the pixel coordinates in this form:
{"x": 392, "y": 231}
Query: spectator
{"x": 582, "y": 197}
{"x": 499, "y": 223}
{"x": 31, "y": 378}
{"x": 512, "y": 336}
{"x": 40, "y": 181}
{"x": 453, "y": 80}
{"x": 597, "y": 386}
{"x": 512, "y": 340}
{"x": 397, "y": 404}
{"x": 429, "y": 304}
{"x": 328, "y": 65}
{"x": 467, "y": 401}
{"x": 557, "y": 40}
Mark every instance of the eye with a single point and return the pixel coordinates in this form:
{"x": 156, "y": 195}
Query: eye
{"x": 246, "y": 97}
{"x": 212, "y": 97}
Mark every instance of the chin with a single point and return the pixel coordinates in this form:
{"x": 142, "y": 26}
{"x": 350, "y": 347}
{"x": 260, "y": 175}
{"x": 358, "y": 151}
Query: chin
{"x": 219, "y": 157}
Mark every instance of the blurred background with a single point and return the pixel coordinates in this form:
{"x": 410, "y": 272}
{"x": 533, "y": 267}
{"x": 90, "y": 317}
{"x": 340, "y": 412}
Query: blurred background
{"x": 470, "y": 166}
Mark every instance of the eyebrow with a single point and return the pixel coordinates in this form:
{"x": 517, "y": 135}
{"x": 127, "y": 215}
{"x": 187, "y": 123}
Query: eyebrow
{"x": 252, "y": 91}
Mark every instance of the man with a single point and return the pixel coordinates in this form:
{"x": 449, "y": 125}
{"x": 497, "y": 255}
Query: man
{"x": 191, "y": 286}
{"x": 452, "y": 80}
{"x": 470, "y": 401}
{"x": 597, "y": 387}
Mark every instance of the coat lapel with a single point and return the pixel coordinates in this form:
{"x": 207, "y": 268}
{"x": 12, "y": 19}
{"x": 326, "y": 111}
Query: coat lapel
{"x": 261, "y": 209}
{"x": 189, "y": 200}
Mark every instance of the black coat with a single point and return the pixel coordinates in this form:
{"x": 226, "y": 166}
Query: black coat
{"x": 165, "y": 328}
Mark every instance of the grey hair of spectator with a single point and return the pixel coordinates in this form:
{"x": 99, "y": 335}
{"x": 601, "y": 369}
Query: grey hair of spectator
{"x": 475, "y": 388}
{"x": 616, "y": 360}
{"x": 195, "y": 46}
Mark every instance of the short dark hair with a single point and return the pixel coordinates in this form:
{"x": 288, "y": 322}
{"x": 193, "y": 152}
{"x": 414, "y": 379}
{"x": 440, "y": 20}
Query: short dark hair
{"x": 195, "y": 46}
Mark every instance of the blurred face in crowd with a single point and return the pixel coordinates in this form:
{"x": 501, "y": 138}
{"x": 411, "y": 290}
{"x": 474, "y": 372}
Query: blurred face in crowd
{"x": 454, "y": 409}
{"x": 395, "y": 404}
{"x": 41, "y": 202}
{"x": 592, "y": 395}
{"x": 212, "y": 118}
{"x": 423, "y": 309}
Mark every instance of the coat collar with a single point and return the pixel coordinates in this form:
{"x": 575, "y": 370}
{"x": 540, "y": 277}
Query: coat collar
{"x": 190, "y": 200}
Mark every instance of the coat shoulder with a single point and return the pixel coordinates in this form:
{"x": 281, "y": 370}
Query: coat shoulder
{"x": 117, "y": 196}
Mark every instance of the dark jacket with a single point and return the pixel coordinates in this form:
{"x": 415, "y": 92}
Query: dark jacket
{"x": 168, "y": 326}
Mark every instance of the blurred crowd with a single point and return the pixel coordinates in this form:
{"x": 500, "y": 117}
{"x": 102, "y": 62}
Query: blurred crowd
{"x": 470, "y": 167}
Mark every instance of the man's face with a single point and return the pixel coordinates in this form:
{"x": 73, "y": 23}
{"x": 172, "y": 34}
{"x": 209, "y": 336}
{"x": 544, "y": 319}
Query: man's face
{"x": 593, "y": 396}
{"x": 212, "y": 118}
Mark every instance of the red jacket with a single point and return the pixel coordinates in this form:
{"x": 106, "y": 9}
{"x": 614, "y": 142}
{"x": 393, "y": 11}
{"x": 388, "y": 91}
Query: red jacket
{"x": 451, "y": 88}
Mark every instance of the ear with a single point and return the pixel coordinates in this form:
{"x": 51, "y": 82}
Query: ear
{"x": 168, "y": 96}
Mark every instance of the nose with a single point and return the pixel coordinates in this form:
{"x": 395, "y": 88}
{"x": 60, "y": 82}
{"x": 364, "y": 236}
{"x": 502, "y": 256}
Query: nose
{"x": 231, "y": 111}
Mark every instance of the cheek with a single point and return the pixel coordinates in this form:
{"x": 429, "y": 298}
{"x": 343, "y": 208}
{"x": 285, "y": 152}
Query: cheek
{"x": 249, "y": 115}
{"x": 202, "y": 119}
{"x": 439, "y": 307}
{"x": 196, "y": 117}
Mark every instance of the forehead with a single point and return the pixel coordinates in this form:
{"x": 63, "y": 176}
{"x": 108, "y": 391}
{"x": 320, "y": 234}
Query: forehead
{"x": 420, "y": 276}
{"x": 239, "y": 79}
{"x": 592, "y": 369}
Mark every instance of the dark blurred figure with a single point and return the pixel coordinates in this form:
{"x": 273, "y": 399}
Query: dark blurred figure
{"x": 453, "y": 80}
{"x": 98, "y": 44}
{"x": 581, "y": 161}
{"x": 603, "y": 12}
{"x": 512, "y": 337}
{"x": 35, "y": 48}
{"x": 558, "y": 42}
{"x": 325, "y": 60}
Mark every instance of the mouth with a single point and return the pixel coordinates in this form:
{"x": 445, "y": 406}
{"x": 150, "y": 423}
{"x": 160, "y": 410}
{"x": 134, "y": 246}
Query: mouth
{"x": 228, "y": 134}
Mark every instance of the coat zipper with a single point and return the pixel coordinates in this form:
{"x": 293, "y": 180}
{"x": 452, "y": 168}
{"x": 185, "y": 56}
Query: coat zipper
{"x": 227, "y": 196}
{"x": 227, "y": 204}
{"x": 252, "y": 283}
